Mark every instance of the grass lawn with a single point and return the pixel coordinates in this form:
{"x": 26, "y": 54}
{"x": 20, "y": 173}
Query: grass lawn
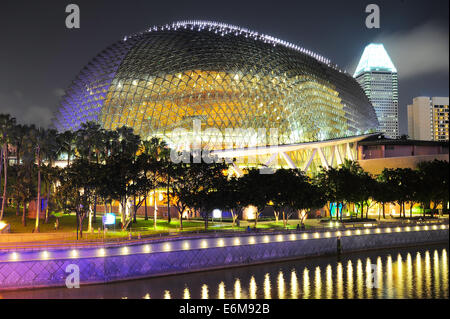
{"x": 67, "y": 224}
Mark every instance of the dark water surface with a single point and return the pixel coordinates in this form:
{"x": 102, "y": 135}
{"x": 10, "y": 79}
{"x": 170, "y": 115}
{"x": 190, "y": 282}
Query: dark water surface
{"x": 418, "y": 272}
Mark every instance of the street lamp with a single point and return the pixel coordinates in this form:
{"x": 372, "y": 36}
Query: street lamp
{"x": 81, "y": 192}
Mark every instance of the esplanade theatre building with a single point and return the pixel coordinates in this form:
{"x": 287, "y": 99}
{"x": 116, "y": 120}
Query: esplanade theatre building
{"x": 229, "y": 80}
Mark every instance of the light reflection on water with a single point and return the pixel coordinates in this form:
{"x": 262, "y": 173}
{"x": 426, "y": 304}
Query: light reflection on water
{"x": 402, "y": 273}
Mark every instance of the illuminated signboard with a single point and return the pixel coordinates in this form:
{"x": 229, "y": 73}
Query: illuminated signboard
{"x": 109, "y": 219}
{"x": 217, "y": 213}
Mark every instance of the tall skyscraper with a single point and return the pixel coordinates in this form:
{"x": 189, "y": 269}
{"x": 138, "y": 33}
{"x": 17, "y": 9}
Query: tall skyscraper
{"x": 377, "y": 76}
{"x": 428, "y": 119}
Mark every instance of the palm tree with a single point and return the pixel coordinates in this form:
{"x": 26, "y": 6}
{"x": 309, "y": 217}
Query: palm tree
{"x": 7, "y": 124}
{"x": 51, "y": 152}
{"x": 90, "y": 144}
{"x": 98, "y": 144}
{"x": 25, "y": 187}
{"x": 20, "y": 137}
{"x": 123, "y": 146}
{"x": 158, "y": 153}
{"x": 44, "y": 141}
{"x": 66, "y": 140}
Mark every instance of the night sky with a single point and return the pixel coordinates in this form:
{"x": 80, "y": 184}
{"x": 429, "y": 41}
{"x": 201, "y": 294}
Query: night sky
{"x": 39, "y": 56}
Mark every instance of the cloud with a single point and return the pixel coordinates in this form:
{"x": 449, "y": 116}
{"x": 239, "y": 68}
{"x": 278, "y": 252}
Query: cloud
{"x": 59, "y": 92}
{"x": 25, "y": 112}
{"x": 422, "y": 50}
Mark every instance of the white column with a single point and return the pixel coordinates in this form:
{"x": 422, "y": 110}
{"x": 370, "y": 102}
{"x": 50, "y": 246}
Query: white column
{"x": 288, "y": 160}
{"x": 332, "y": 156}
{"x": 349, "y": 152}
{"x": 338, "y": 156}
{"x": 310, "y": 159}
{"x": 323, "y": 158}
{"x": 271, "y": 159}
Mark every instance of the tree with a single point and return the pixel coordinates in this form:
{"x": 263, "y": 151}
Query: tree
{"x": 434, "y": 184}
{"x": 257, "y": 193}
{"x": 7, "y": 124}
{"x": 358, "y": 188}
{"x": 121, "y": 169}
{"x": 78, "y": 184}
{"x": 119, "y": 172}
{"x": 288, "y": 191}
{"x": 207, "y": 182}
{"x": 412, "y": 188}
{"x": 66, "y": 140}
{"x": 232, "y": 196}
{"x": 383, "y": 192}
{"x": 182, "y": 189}
{"x": 397, "y": 181}
{"x": 38, "y": 137}
{"x": 51, "y": 151}
{"x": 20, "y": 141}
{"x": 334, "y": 184}
{"x": 90, "y": 142}
{"x": 156, "y": 157}
{"x": 25, "y": 186}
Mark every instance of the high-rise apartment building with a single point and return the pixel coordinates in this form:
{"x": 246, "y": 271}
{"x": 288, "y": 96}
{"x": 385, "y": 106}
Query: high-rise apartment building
{"x": 428, "y": 119}
{"x": 377, "y": 76}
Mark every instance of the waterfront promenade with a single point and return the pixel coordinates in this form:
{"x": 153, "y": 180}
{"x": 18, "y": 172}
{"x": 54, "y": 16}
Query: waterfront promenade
{"x": 44, "y": 264}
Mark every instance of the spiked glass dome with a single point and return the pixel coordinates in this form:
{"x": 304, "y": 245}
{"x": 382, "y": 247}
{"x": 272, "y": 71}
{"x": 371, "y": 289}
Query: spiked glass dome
{"x": 224, "y": 76}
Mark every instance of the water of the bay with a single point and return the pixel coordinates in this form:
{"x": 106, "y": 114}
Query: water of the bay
{"x": 406, "y": 273}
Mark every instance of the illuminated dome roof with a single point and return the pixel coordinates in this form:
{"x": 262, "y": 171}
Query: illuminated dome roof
{"x": 224, "y": 76}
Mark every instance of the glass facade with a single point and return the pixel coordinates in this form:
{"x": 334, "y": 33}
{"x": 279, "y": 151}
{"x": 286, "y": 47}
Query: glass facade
{"x": 223, "y": 76}
{"x": 440, "y": 122}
